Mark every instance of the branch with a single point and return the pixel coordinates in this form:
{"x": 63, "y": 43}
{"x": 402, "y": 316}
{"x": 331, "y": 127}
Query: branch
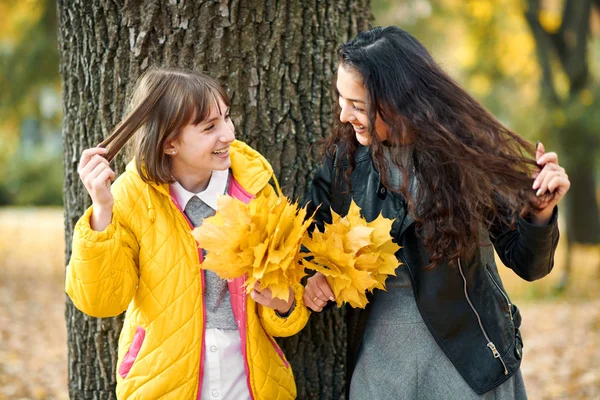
{"x": 543, "y": 50}
{"x": 573, "y": 35}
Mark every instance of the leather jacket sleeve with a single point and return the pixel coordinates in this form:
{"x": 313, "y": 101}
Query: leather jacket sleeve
{"x": 528, "y": 249}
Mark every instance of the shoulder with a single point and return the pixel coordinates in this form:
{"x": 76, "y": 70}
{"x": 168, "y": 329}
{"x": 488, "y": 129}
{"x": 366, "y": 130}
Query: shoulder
{"x": 250, "y": 168}
{"x": 340, "y": 157}
{"x": 128, "y": 185}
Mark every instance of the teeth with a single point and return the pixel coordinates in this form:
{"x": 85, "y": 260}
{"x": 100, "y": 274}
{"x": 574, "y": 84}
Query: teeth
{"x": 220, "y": 151}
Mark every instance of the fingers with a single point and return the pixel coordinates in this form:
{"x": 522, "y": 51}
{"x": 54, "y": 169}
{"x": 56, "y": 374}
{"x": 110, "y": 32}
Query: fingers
{"x": 265, "y": 298}
{"x": 95, "y": 173}
{"x": 317, "y": 292}
{"x": 87, "y": 155}
{"x": 557, "y": 182}
{"x": 90, "y": 165}
{"x": 546, "y": 175}
{"x": 308, "y": 302}
{"x": 547, "y": 158}
{"x": 259, "y": 297}
{"x": 542, "y": 158}
{"x": 539, "y": 150}
{"x": 325, "y": 291}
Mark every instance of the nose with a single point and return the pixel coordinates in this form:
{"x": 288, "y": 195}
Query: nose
{"x": 228, "y": 133}
{"x": 345, "y": 113}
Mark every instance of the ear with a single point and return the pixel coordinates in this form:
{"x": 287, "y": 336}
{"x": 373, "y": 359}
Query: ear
{"x": 169, "y": 148}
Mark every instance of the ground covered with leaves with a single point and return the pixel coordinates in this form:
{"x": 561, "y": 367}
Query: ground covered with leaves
{"x": 561, "y": 331}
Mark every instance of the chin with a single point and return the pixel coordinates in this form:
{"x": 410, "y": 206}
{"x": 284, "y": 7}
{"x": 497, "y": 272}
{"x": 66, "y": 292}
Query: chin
{"x": 222, "y": 166}
{"x": 363, "y": 139}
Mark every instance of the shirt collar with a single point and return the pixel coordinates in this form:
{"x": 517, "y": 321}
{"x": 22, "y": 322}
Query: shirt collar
{"x": 216, "y": 187}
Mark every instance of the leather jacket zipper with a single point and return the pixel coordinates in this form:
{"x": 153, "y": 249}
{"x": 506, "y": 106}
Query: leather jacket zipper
{"x": 501, "y": 291}
{"x": 490, "y": 344}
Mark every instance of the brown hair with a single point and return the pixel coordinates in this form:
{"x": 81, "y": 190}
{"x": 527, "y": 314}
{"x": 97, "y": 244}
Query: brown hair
{"x": 471, "y": 170}
{"x": 164, "y": 101}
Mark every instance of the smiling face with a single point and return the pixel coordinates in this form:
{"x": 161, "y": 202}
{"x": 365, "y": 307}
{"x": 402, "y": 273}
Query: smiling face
{"x": 200, "y": 149}
{"x": 352, "y": 98}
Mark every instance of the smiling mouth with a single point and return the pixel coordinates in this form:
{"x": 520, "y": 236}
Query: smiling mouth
{"x": 221, "y": 152}
{"x": 358, "y": 128}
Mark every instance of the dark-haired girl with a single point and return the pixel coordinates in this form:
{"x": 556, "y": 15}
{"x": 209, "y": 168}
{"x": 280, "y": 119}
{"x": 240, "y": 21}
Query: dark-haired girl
{"x": 413, "y": 145}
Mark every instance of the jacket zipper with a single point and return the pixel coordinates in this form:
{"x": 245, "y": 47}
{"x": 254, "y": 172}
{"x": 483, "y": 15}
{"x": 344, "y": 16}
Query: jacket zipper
{"x": 501, "y": 291}
{"x": 490, "y": 344}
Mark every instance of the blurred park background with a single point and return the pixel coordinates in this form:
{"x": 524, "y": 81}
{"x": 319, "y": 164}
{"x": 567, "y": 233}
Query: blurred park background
{"x": 493, "y": 48}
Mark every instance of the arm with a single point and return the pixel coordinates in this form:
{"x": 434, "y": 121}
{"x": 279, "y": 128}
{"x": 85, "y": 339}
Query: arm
{"x": 529, "y": 249}
{"x": 102, "y": 275}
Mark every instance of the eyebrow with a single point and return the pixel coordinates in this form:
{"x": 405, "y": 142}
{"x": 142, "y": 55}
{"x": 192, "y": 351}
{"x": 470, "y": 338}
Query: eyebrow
{"x": 352, "y": 100}
{"x": 215, "y": 118}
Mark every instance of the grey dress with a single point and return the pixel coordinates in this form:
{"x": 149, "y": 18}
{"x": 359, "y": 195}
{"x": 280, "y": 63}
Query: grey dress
{"x": 399, "y": 358}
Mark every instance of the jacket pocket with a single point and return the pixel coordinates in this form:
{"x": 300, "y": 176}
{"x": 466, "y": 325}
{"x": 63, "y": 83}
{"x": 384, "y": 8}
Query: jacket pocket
{"x": 279, "y": 351}
{"x": 132, "y": 353}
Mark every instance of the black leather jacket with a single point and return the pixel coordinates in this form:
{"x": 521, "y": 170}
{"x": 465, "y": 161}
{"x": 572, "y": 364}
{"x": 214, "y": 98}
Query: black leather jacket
{"x": 464, "y": 306}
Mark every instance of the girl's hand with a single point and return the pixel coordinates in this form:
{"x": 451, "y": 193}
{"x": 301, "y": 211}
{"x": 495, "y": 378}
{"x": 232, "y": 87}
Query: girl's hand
{"x": 552, "y": 178}
{"x": 317, "y": 292}
{"x": 96, "y": 175}
{"x": 265, "y": 298}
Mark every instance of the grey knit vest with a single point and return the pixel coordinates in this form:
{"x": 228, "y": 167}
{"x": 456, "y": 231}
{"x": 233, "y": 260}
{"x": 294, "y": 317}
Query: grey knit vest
{"x": 216, "y": 294}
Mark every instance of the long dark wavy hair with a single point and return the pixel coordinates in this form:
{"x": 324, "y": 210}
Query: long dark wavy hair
{"x": 471, "y": 169}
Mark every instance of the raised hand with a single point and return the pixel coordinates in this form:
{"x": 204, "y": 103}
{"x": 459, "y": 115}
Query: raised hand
{"x": 95, "y": 173}
{"x": 551, "y": 178}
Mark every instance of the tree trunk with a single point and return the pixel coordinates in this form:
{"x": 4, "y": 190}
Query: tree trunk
{"x": 576, "y": 136}
{"x": 275, "y": 58}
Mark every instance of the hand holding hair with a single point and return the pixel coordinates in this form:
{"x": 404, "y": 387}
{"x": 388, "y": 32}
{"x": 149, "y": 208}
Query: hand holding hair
{"x": 95, "y": 173}
{"x": 551, "y": 180}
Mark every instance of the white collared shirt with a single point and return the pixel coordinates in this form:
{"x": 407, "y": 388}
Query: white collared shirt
{"x": 224, "y": 373}
{"x": 216, "y": 187}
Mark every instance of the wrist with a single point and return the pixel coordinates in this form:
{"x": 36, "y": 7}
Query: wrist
{"x": 101, "y": 217}
{"x": 543, "y": 217}
{"x": 286, "y": 313}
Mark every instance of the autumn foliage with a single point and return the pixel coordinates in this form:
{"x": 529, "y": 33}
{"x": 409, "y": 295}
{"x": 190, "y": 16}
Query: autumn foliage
{"x": 356, "y": 256}
{"x": 262, "y": 240}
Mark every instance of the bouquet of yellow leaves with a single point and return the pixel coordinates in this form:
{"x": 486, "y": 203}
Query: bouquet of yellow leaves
{"x": 355, "y": 256}
{"x": 260, "y": 239}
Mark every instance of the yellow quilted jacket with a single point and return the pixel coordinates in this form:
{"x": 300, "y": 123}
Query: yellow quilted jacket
{"x": 147, "y": 262}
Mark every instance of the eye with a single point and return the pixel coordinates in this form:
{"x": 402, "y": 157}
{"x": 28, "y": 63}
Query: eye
{"x": 209, "y": 127}
{"x": 358, "y": 108}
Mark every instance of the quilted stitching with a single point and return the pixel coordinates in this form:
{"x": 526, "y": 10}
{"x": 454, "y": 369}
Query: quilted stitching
{"x": 165, "y": 295}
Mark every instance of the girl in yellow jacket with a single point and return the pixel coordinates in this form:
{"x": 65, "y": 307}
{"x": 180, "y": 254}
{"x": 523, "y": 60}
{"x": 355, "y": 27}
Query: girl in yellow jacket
{"x": 187, "y": 334}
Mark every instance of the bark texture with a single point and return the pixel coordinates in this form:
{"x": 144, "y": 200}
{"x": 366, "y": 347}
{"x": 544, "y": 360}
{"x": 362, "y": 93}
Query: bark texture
{"x": 276, "y": 59}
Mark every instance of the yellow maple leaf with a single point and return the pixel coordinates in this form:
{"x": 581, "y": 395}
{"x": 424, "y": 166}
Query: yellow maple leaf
{"x": 355, "y": 256}
{"x": 260, "y": 240}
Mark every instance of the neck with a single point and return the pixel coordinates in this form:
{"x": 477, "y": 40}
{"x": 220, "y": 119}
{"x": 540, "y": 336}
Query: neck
{"x": 194, "y": 183}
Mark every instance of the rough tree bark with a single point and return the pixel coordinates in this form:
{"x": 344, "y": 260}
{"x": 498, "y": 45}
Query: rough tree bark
{"x": 276, "y": 58}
